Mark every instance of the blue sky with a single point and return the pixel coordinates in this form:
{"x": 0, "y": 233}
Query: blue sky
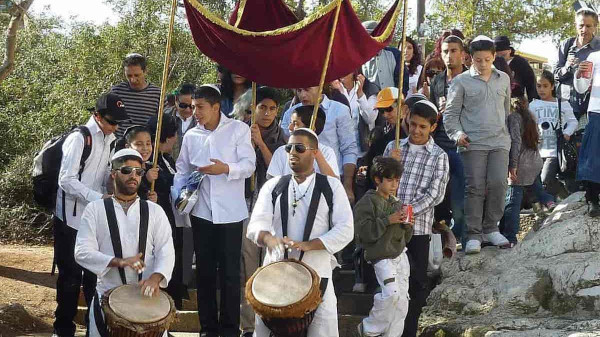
{"x": 97, "y": 11}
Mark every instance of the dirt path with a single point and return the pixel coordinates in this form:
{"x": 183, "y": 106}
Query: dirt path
{"x": 25, "y": 279}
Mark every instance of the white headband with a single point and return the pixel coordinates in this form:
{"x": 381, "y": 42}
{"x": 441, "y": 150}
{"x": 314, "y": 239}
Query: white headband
{"x": 482, "y": 38}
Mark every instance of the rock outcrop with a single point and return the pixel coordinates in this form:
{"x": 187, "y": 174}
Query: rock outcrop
{"x": 548, "y": 285}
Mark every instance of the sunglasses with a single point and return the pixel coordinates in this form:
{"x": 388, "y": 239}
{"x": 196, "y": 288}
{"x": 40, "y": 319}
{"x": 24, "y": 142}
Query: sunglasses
{"x": 432, "y": 73}
{"x": 388, "y": 109}
{"x": 185, "y": 106}
{"x": 111, "y": 122}
{"x": 299, "y": 148}
{"x": 127, "y": 170}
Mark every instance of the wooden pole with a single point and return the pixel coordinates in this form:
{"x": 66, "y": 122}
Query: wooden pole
{"x": 313, "y": 120}
{"x": 163, "y": 89}
{"x": 252, "y": 121}
{"x": 401, "y": 78}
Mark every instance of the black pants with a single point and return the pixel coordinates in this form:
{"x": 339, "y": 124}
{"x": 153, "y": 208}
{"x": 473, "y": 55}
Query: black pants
{"x": 218, "y": 245}
{"x": 176, "y": 288}
{"x": 592, "y": 190}
{"x": 70, "y": 278}
{"x": 418, "y": 255}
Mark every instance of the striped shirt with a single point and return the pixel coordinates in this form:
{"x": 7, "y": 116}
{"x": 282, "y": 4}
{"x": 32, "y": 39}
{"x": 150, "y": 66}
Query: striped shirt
{"x": 423, "y": 181}
{"x": 140, "y": 105}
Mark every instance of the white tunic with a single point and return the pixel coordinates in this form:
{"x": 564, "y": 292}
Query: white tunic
{"x": 94, "y": 250}
{"x": 322, "y": 261}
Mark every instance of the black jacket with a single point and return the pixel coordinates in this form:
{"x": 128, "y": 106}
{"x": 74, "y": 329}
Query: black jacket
{"x": 524, "y": 75}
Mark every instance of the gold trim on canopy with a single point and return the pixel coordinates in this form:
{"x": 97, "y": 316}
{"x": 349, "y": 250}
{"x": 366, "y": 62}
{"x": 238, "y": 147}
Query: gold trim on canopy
{"x": 297, "y": 26}
{"x": 240, "y": 12}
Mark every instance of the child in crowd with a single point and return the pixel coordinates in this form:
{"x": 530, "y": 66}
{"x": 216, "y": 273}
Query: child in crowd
{"x": 524, "y": 164}
{"x": 138, "y": 137}
{"x": 382, "y": 232}
{"x": 545, "y": 111}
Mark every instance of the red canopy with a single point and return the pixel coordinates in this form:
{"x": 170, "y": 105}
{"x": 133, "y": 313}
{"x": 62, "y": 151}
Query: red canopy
{"x": 291, "y": 56}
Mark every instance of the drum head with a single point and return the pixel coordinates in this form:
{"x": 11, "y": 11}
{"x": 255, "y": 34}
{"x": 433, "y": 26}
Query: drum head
{"x": 127, "y": 302}
{"x": 281, "y": 284}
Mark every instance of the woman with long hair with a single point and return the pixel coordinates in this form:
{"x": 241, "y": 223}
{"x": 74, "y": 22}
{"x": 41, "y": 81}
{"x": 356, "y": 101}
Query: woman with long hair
{"x": 232, "y": 87}
{"x": 432, "y": 67}
{"x": 412, "y": 61}
{"x": 525, "y": 162}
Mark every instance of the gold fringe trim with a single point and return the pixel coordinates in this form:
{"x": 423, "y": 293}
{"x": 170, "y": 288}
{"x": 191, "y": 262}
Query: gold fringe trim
{"x": 288, "y": 29}
{"x": 240, "y": 12}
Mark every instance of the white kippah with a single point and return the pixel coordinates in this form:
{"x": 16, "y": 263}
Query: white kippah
{"x": 309, "y": 131}
{"x": 126, "y": 153}
{"x": 482, "y": 38}
{"x": 429, "y": 104}
{"x": 211, "y": 86}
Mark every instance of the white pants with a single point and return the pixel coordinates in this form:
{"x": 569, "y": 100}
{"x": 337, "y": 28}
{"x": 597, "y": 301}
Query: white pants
{"x": 325, "y": 323}
{"x": 390, "y": 306}
{"x": 93, "y": 331}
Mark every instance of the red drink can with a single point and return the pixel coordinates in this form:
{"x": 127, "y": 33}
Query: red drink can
{"x": 408, "y": 210}
{"x": 588, "y": 73}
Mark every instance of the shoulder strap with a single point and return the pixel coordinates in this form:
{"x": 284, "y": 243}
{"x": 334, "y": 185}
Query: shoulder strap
{"x": 87, "y": 147}
{"x": 115, "y": 238}
{"x": 327, "y": 193}
{"x": 143, "y": 237}
{"x": 312, "y": 210}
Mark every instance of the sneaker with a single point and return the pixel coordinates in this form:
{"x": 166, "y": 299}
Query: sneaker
{"x": 549, "y": 206}
{"x": 496, "y": 239}
{"x": 473, "y": 247}
{"x": 359, "y": 287}
{"x": 360, "y": 332}
{"x": 594, "y": 210}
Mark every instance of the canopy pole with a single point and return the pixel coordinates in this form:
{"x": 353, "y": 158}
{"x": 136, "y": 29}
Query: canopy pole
{"x": 313, "y": 120}
{"x": 163, "y": 89}
{"x": 252, "y": 121}
{"x": 401, "y": 79}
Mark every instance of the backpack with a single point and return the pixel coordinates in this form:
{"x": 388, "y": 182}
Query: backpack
{"x": 46, "y": 166}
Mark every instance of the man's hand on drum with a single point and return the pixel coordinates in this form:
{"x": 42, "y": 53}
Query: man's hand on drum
{"x": 150, "y": 287}
{"x": 305, "y": 246}
{"x": 134, "y": 262}
{"x": 274, "y": 244}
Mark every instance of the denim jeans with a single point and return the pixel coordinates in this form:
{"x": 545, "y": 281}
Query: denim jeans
{"x": 509, "y": 224}
{"x": 540, "y": 193}
{"x": 457, "y": 195}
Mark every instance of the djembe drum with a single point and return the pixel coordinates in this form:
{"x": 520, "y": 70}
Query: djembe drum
{"x": 286, "y": 295}
{"x": 128, "y": 313}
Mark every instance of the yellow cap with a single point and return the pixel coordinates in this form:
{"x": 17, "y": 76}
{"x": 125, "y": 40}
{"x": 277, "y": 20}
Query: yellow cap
{"x": 386, "y": 97}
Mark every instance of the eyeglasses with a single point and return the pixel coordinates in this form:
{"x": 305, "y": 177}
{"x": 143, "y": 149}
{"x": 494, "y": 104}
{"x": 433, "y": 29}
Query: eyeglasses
{"x": 300, "y": 148}
{"x": 185, "y": 106}
{"x": 127, "y": 170}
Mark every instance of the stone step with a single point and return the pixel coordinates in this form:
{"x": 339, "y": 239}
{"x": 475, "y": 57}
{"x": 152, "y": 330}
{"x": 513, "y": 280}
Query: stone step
{"x": 354, "y": 303}
{"x": 187, "y": 322}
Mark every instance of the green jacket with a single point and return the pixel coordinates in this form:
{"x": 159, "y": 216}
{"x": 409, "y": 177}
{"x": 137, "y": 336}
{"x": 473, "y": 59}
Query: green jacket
{"x": 374, "y": 233}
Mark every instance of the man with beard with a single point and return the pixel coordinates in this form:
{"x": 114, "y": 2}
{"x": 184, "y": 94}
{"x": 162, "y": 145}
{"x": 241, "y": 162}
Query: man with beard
{"x": 123, "y": 220}
{"x": 288, "y": 220}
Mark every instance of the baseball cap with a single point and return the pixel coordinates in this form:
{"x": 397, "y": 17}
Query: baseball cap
{"x": 386, "y": 97}
{"x": 126, "y": 154}
{"x": 111, "y": 104}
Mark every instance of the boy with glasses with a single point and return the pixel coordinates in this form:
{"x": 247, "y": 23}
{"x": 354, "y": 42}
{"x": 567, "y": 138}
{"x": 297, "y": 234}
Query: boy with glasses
{"x": 183, "y": 113}
{"x": 78, "y": 187}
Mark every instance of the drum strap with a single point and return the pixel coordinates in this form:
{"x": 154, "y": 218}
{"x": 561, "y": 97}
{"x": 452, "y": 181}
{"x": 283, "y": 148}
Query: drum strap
{"x": 100, "y": 324}
{"x": 115, "y": 237}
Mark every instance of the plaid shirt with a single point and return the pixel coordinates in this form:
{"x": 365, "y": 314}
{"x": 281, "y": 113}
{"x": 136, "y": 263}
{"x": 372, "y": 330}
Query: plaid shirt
{"x": 423, "y": 181}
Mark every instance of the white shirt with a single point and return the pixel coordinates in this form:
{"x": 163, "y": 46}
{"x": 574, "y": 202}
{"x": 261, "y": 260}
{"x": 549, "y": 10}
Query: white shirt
{"x": 413, "y": 81}
{"x": 280, "y": 164}
{"x": 94, "y": 249}
{"x": 342, "y": 228}
{"x": 583, "y": 84}
{"x": 362, "y": 107}
{"x": 185, "y": 122}
{"x": 91, "y": 187}
{"x": 546, "y": 114}
{"x": 221, "y": 198}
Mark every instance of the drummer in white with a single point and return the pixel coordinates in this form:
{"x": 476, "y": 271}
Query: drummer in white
{"x": 331, "y": 231}
{"x": 94, "y": 248}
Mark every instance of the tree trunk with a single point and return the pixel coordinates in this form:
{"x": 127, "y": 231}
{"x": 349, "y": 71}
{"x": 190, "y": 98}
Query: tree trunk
{"x": 299, "y": 12}
{"x": 17, "y": 12}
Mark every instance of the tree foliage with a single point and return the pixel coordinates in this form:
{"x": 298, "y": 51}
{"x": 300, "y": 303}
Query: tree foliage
{"x": 516, "y": 19}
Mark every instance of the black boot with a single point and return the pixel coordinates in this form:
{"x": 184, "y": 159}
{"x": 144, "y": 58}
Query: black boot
{"x": 594, "y": 210}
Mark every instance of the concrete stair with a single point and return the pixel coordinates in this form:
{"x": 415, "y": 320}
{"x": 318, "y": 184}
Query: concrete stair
{"x": 352, "y": 308}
